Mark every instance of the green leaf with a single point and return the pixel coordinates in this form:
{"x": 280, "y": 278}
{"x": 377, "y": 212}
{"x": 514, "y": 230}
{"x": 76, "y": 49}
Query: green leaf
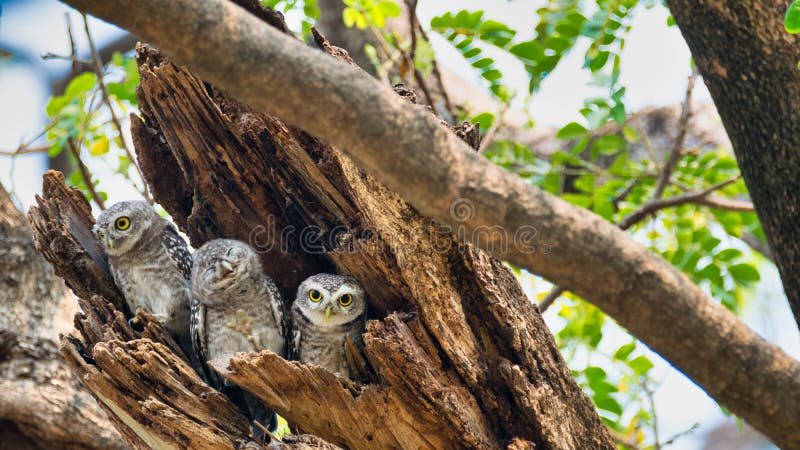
{"x": 99, "y": 147}
{"x": 623, "y": 352}
{"x": 608, "y": 144}
{"x": 744, "y": 273}
{"x": 728, "y": 254}
{"x": 594, "y": 373}
{"x": 571, "y": 131}
{"x": 530, "y": 51}
{"x": 349, "y": 16}
{"x": 792, "y": 19}
{"x": 607, "y": 403}
{"x": 641, "y": 365}
{"x": 80, "y": 85}
{"x": 485, "y": 119}
{"x": 389, "y": 8}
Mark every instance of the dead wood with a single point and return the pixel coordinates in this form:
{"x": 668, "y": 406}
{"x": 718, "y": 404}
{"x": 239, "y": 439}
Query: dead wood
{"x": 501, "y": 368}
{"x": 42, "y": 404}
{"x": 141, "y": 380}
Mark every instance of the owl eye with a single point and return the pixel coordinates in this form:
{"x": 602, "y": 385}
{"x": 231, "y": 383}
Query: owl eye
{"x": 346, "y": 299}
{"x": 122, "y": 223}
{"x": 100, "y": 235}
{"x": 314, "y": 295}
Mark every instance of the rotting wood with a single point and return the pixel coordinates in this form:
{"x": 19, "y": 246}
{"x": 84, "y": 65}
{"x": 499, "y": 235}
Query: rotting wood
{"x": 141, "y": 380}
{"x": 363, "y": 229}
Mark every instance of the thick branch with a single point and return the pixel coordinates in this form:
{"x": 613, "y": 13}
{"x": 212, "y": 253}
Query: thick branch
{"x": 411, "y": 153}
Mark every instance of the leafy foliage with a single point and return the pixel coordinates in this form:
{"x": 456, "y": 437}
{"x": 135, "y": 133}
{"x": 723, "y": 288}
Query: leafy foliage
{"x": 308, "y": 8}
{"x": 79, "y": 117}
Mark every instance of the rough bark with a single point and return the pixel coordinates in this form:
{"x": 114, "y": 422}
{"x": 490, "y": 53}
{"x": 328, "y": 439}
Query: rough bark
{"x": 411, "y": 153}
{"x": 139, "y": 378}
{"x": 757, "y": 91}
{"x": 480, "y": 367}
{"x": 41, "y": 401}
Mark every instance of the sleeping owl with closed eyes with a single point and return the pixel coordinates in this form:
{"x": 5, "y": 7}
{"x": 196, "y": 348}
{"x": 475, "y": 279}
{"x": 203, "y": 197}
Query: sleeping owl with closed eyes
{"x": 327, "y": 309}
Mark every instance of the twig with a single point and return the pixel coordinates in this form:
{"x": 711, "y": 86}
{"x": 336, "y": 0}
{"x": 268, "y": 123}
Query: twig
{"x": 623, "y": 441}
{"x": 412, "y": 22}
{"x": 85, "y": 174}
{"x": 73, "y": 49}
{"x": 551, "y": 297}
{"x": 651, "y": 400}
{"x": 654, "y": 206}
{"x": 74, "y": 60}
{"x": 640, "y": 214}
{"x": 98, "y": 70}
{"x": 626, "y": 192}
{"x": 675, "y": 154}
{"x": 24, "y": 150}
{"x": 438, "y": 75}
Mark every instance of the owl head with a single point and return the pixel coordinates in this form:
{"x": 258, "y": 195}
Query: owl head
{"x": 223, "y": 266}
{"x": 330, "y": 300}
{"x": 122, "y": 225}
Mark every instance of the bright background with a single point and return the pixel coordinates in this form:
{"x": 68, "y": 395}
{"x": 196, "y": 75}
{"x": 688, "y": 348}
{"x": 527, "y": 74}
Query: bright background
{"x": 655, "y": 68}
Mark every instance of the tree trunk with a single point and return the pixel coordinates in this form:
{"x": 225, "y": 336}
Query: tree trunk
{"x": 757, "y": 91}
{"x": 42, "y": 404}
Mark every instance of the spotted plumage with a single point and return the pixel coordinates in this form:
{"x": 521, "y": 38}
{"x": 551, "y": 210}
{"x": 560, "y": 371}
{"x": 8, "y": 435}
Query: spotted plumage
{"x": 150, "y": 264}
{"x": 235, "y": 308}
{"x": 327, "y": 309}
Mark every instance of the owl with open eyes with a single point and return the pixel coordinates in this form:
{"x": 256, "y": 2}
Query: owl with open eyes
{"x": 328, "y": 308}
{"x": 150, "y": 263}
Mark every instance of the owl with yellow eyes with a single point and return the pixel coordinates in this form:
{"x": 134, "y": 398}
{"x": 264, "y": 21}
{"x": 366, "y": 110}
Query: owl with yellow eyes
{"x": 327, "y": 309}
{"x": 151, "y": 264}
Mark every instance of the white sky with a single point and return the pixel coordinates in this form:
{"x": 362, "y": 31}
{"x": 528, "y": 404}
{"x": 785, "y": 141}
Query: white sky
{"x": 655, "y": 67}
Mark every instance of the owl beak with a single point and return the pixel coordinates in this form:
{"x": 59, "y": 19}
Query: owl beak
{"x": 225, "y": 268}
{"x": 110, "y": 242}
{"x": 328, "y": 312}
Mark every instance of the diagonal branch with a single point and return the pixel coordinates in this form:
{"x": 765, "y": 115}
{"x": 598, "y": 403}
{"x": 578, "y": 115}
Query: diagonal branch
{"x": 411, "y": 153}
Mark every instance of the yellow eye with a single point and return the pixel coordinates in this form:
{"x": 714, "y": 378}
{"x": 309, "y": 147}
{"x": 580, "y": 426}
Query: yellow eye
{"x": 100, "y": 235}
{"x": 346, "y": 299}
{"x": 122, "y": 223}
{"x": 314, "y": 295}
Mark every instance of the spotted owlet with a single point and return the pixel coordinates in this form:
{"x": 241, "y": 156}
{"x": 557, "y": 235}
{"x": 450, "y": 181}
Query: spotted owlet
{"x": 235, "y": 308}
{"x": 327, "y": 309}
{"x": 150, "y": 263}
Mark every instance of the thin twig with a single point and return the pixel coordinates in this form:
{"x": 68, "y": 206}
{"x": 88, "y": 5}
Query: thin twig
{"x": 677, "y": 148}
{"x": 623, "y": 441}
{"x": 654, "y": 206}
{"x": 73, "y": 49}
{"x": 98, "y": 69}
{"x": 412, "y": 22}
{"x": 652, "y": 401}
{"x": 24, "y": 150}
{"x": 85, "y": 174}
{"x": 551, "y": 297}
{"x": 438, "y": 75}
{"x": 640, "y": 214}
{"x": 74, "y": 60}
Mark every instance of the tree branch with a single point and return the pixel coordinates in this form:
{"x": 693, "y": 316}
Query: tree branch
{"x": 411, "y": 153}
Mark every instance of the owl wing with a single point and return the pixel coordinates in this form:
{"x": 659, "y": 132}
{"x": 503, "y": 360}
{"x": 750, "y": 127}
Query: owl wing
{"x": 197, "y": 328}
{"x": 177, "y": 250}
{"x": 279, "y": 314}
